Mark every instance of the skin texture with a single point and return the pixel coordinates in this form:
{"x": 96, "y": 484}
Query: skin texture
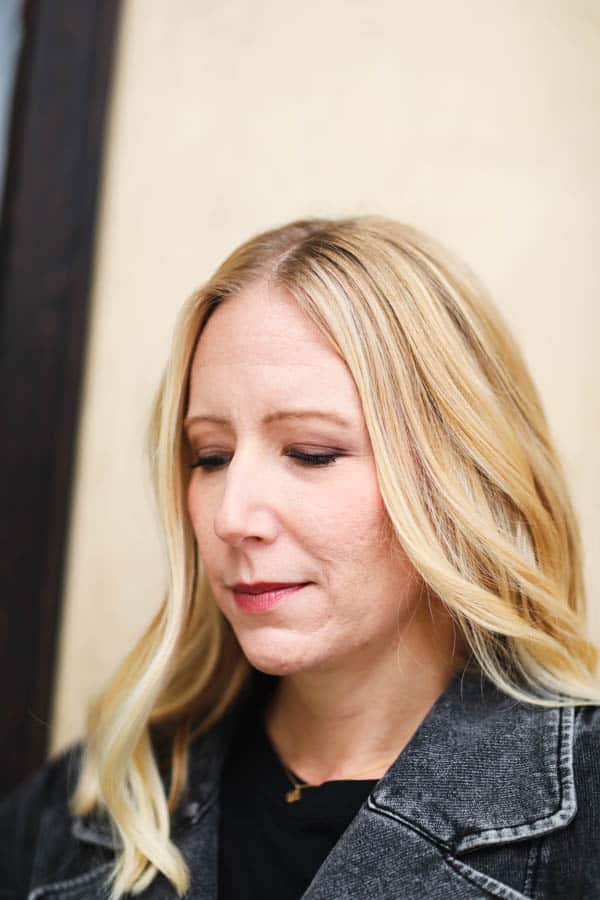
{"x": 362, "y": 652}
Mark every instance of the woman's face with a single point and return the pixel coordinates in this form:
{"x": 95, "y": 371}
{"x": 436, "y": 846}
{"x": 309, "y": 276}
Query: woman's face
{"x": 285, "y": 491}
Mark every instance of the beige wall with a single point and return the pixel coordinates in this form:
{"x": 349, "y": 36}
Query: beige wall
{"x": 477, "y": 121}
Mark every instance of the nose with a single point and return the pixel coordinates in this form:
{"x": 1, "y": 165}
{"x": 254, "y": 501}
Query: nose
{"x": 246, "y": 510}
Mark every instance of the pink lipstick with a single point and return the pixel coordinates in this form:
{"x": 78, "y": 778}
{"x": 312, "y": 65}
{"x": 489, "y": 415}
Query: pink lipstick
{"x": 263, "y": 596}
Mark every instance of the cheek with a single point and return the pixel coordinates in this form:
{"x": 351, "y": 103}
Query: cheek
{"x": 192, "y": 504}
{"x": 351, "y": 520}
{"x": 198, "y": 509}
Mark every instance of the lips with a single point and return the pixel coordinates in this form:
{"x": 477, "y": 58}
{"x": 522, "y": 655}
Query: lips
{"x": 263, "y": 596}
{"x": 260, "y": 587}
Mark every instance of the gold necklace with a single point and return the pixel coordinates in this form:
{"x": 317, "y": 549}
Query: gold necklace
{"x": 295, "y": 794}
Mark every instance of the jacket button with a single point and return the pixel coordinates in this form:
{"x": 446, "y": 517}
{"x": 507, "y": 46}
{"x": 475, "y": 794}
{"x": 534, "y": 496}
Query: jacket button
{"x": 191, "y": 813}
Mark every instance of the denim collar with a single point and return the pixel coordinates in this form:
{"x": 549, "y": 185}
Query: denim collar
{"x": 482, "y": 768}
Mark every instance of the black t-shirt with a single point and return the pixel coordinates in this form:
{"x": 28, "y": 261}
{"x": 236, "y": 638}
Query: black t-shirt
{"x": 267, "y": 846}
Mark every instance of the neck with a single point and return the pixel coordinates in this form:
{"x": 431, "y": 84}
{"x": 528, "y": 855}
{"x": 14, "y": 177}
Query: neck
{"x": 355, "y": 717}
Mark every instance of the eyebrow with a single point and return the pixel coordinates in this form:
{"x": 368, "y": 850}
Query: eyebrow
{"x": 277, "y": 416}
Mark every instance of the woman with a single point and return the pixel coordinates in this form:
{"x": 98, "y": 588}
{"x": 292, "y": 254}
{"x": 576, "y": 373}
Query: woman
{"x": 369, "y": 677}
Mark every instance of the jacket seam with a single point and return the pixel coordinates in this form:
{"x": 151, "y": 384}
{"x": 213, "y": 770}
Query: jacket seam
{"x": 492, "y": 886}
{"x": 531, "y": 871}
{"x": 411, "y": 825}
{"x": 507, "y": 835}
{"x": 69, "y": 884}
{"x": 566, "y": 756}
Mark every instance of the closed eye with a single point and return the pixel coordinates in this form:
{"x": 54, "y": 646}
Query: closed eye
{"x": 208, "y": 463}
{"x": 213, "y": 461}
{"x": 314, "y": 459}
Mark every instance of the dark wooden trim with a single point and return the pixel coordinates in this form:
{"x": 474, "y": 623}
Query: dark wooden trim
{"x": 46, "y": 258}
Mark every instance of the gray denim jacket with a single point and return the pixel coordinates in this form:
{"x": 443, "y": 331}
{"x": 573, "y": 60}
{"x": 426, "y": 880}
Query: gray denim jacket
{"x": 491, "y": 798}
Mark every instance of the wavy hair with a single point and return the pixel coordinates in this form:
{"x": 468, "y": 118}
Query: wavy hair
{"x": 467, "y": 471}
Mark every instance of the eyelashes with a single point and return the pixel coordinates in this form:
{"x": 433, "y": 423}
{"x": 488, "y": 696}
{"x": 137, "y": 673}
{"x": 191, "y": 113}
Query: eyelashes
{"x": 214, "y": 461}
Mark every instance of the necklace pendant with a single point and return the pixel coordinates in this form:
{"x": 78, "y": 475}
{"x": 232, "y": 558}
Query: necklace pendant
{"x": 293, "y": 795}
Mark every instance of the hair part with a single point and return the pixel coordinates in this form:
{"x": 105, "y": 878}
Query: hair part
{"x": 467, "y": 471}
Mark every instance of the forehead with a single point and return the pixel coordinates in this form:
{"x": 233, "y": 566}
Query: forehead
{"x": 259, "y": 324}
{"x": 261, "y": 339}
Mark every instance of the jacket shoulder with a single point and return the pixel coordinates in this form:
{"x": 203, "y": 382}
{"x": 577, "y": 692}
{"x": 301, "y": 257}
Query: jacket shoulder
{"x": 22, "y": 811}
{"x": 587, "y": 724}
{"x": 586, "y": 758}
{"x": 586, "y": 761}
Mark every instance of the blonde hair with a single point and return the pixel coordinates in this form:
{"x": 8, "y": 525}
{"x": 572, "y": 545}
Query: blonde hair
{"x": 467, "y": 471}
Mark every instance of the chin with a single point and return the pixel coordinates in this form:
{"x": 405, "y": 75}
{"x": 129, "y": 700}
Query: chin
{"x": 272, "y": 658}
{"x": 272, "y": 664}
